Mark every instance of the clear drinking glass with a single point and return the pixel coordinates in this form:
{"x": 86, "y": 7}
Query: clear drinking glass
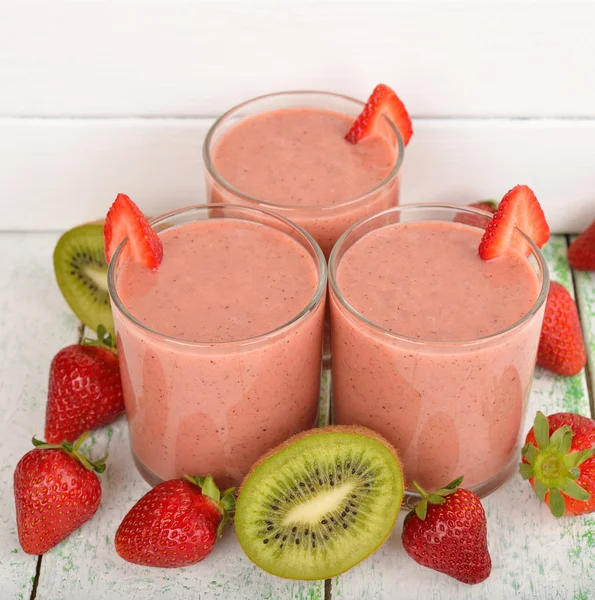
{"x": 196, "y": 407}
{"x": 450, "y": 408}
{"x": 327, "y": 222}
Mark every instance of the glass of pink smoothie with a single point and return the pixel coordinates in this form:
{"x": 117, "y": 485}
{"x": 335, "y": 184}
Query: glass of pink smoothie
{"x": 220, "y": 349}
{"x": 286, "y": 152}
{"x": 433, "y": 347}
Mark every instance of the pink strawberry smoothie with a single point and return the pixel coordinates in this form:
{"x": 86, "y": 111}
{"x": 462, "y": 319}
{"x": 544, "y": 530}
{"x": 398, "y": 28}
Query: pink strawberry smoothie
{"x": 233, "y": 370}
{"x": 298, "y": 160}
{"x": 451, "y": 407}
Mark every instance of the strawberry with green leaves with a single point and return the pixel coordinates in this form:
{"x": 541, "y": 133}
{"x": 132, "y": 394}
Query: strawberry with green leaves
{"x": 84, "y": 391}
{"x": 447, "y": 532}
{"x": 558, "y": 461}
{"x": 56, "y": 490}
{"x": 175, "y": 524}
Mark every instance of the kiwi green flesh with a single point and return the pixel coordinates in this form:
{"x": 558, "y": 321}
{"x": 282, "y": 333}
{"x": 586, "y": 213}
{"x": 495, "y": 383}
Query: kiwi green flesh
{"x": 319, "y": 506}
{"x": 81, "y": 272}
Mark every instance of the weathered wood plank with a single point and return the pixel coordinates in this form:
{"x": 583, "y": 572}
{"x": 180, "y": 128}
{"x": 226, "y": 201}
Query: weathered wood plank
{"x": 87, "y": 564}
{"x": 180, "y": 46}
{"x": 534, "y": 556}
{"x": 585, "y": 296}
{"x": 35, "y": 323}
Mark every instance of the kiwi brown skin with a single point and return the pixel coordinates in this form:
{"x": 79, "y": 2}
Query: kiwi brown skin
{"x": 78, "y": 249}
{"x": 343, "y": 429}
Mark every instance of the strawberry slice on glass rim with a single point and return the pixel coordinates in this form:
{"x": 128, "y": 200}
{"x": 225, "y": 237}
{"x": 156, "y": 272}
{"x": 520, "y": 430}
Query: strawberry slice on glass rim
{"x": 383, "y": 101}
{"x": 519, "y": 209}
{"x": 125, "y": 220}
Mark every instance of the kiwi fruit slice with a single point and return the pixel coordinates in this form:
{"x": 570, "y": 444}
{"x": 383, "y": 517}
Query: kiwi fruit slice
{"x": 320, "y": 503}
{"x": 81, "y": 272}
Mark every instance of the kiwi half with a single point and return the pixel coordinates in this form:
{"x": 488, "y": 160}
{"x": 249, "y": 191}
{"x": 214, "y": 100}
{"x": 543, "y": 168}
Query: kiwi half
{"x": 81, "y": 272}
{"x": 320, "y": 503}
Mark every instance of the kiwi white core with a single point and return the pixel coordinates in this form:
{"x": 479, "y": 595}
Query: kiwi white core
{"x": 97, "y": 275}
{"x": 315, "y": 509}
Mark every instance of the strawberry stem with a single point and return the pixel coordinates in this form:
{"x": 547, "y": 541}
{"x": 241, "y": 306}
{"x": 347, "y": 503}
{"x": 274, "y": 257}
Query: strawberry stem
{"x": 421, "y": 491}
{"x": 226, "y": 502}
{"x": 74, "y": 450}
{"x": 435, "y": 497}
{"x": 104, "y": 340}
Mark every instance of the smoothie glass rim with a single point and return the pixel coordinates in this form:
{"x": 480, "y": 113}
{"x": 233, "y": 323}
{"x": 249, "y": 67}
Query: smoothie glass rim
{"x": 535, "y": 251}
{"x": 318, "y": 258}
{"x": 206, "y": 152}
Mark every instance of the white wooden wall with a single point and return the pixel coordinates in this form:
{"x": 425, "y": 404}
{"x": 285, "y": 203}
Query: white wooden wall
{"x": 98, "y": 97}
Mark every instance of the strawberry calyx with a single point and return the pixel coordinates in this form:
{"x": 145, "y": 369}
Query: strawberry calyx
{"x": 104, "y": 340}
{"x": 224, "y": 501}
{"x": 435, "y": 497}
{"x": 74, "y": 450}
{"x": 552, "y": 465}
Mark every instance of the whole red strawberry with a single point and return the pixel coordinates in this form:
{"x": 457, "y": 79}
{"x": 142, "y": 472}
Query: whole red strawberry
{"x": 558, "y": 462}
{"x": 56, "y": 490}
{"x": 175, "y": 524}
{"x": 561, "y": 345}
{"x": 489, "y": 206}
{"x": 85, "y": 391}
{"x": 447, "y": 532}
{"x": 581, "y": 254}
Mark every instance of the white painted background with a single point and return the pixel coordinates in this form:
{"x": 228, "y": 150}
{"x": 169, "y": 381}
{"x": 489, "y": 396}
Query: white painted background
{"x": 98, "y": 97}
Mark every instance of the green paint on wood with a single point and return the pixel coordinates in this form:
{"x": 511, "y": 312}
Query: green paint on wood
{"x": 555, "y": 255}
{"x": 574, "y": 394}
{"x": 583, "y": 538}
{"x": 69, "y": 564}
{"x": 574, "y": 552}
{"x": 589, "y": 535}
{"x": 313, "y": 593}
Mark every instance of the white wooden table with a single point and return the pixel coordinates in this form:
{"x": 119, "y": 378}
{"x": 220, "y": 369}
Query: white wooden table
{"x": 534, "y": 556}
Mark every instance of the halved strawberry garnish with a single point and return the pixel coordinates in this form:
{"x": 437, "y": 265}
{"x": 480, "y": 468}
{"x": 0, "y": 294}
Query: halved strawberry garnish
{"x": 519, "y": 209}
{"x": 382, "y": 101}
{"x": 125, "y": 220}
